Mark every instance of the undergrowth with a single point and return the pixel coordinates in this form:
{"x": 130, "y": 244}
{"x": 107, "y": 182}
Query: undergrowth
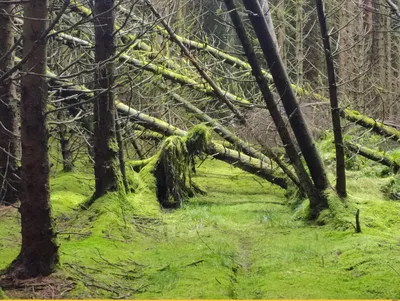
{"x": 240, "y": 241}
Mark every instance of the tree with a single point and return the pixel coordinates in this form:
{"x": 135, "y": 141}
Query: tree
{"x": 106, "y": 169}
{"x": 335, "y": 110}
{"x": 39, "y": 251}
{"x": 292, "y": 108}
{"x": 305, "y": 182}
{"x": 285, "y": 90}
{"x": 9, "y": 144}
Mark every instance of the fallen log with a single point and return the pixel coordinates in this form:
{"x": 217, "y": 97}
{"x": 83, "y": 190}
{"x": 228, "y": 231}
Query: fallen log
{"x": 369, "y": 123}
{"x": 242, "y": 161}
{"x": 373, "y": 155}
{"x": 235, "y": 140}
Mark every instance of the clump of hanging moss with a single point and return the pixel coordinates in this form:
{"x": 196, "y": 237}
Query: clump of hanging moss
{"x": 169, "y": 172}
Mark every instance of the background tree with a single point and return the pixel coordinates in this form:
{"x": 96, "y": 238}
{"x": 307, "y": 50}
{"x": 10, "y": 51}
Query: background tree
{"x": 9, "y": 142}
{"x": 106, "y": 168}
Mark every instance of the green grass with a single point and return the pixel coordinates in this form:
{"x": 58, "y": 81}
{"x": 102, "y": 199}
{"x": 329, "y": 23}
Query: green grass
{"x": 240, "y": 241}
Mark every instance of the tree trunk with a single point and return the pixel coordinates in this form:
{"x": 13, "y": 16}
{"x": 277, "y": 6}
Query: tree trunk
{"x": 215, "y": 88}
{"x": 121, "y": 156}
{"x": 292, "y": 108}
{"x": 65, "y": 145}
{"x": 38, "y": 254}
{"x": 335, "y": 110}
{"x": 106, "y": 167}
{"x": 305, "y": 181}
{"x": 9, "y": 144}
{"x": 299, "y": 42}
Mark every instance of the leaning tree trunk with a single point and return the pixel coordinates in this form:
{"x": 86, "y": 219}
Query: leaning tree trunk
{"x": 8, "y": 111}
{"x": 105, "y": 143}
{"x": 292, "y": 108}
{"x": 39, "y": 251}
{"x": 335, "y": 110}
{"x": 305, "y": 181}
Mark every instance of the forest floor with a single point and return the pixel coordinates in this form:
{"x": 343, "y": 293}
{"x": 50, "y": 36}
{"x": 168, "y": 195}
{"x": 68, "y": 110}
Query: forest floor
{"x": 240, "y": 241}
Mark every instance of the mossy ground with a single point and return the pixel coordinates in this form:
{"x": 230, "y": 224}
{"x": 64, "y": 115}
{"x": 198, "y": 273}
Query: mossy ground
{"x": 239, "y": 241}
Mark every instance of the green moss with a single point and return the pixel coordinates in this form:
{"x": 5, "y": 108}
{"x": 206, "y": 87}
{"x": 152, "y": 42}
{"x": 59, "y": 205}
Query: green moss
{"x": 240, "y": 241}
{"x": 2, "y": 295}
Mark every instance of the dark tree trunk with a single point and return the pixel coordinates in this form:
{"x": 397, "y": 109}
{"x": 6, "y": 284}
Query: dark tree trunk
{"x": 106, "y": 167}
{"x": 38, "y": 254}
{"x": 335, "y": 110}
{"x": 65, "y": 145}
{"x": 9, "y": 144}
{"x": 292, "y": 108}
{"x": 305, "y": 181}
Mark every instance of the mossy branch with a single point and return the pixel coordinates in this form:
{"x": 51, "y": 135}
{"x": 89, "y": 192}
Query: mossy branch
{"x": 369, "y": 123}
{"x": 373, "y": 155}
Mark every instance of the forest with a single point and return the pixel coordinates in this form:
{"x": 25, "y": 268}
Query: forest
{"x": 208, "y": 149}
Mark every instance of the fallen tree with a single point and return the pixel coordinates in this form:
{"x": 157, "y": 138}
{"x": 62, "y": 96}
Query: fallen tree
{"x": 351, "y": 115}
{"x": 235, "y": 140}
{"x": 247, "y": 163}
{"x": 244, "y": 162}
{"x": 370, "y": 123}
{"x": 373, "y": 155}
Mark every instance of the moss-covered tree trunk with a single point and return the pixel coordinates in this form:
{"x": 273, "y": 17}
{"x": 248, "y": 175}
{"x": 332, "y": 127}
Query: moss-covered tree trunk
{"x": 376, "y": 156}
{"x": 39, "y": 251}
{"x": 8, "y": 111}
{"x": 106, "y": 167}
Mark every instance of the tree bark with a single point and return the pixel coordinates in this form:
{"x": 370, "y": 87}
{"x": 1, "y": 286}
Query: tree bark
{"x": 9, "y": 142}
{"x": 292, "y": 108}
{"x": 335, "y": 110}
{"x": 106, "y": 167}
{"x": 39, "y": 251}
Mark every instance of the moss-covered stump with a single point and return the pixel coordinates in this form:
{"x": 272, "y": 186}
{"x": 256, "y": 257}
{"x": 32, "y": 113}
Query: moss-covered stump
{"x": 169, "y": 172}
